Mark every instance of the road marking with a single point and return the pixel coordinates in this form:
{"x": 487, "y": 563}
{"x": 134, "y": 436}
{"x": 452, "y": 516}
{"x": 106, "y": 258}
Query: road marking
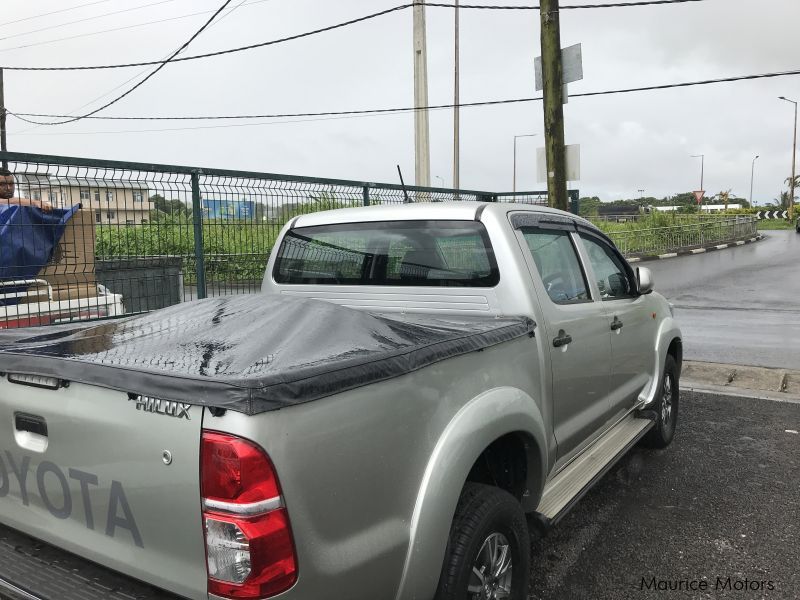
{"x": 792, "y": 431}
{"x": 669, "y": 255}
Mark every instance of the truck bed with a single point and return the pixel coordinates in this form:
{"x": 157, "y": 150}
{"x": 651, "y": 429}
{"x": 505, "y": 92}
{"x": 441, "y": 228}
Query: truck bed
{"x": 252, "y": 353}
{"x": 50, "y": 573}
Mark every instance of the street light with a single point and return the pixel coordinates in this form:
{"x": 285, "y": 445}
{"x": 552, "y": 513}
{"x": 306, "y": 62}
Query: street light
{"x": 752, "y": 170}
{"x": 702, "y": 158}
{"x": 794, "y": 156}
{"x": 515, "y": 155}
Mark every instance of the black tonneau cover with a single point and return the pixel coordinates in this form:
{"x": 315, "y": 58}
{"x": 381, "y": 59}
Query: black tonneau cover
{"x": 250, "y": 353}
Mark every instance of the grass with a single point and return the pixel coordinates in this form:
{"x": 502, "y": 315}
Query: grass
{"x": 773, "y": 224}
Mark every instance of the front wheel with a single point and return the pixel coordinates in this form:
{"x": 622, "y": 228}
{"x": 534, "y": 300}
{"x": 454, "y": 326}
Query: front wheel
{"x": 488, "y": 552}
{"x": 666, "y": 407}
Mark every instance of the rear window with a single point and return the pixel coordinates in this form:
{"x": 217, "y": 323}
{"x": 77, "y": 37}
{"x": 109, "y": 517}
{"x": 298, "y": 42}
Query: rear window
{"x": 407, "y": 253}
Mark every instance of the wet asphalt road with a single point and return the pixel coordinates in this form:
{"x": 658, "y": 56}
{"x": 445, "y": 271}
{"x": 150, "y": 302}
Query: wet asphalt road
{"x": 722, "y": 501}
{"x": 739, "y": 305}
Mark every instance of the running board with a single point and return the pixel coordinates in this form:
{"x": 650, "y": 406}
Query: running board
{"x": 569, "y": 486}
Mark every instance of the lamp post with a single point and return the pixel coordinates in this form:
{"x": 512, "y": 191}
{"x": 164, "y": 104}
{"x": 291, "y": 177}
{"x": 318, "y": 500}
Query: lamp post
{"x": 702, "y": 158}
{"x": 794, "y": 157}
{"x": 515, "y": 155}
{"x": 752, "y": 171}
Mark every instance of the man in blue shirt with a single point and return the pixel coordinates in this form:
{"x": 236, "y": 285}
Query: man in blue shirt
{"x": 7, "y": 193}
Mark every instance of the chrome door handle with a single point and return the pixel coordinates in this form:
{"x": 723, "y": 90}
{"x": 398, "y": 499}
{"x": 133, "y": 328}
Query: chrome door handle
{"x": 562, "y": 339}
{"x": 616, "y": 324}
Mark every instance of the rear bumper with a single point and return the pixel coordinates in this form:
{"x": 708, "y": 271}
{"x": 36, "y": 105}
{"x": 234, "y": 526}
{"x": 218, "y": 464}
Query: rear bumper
{"x": 33, "y": 570}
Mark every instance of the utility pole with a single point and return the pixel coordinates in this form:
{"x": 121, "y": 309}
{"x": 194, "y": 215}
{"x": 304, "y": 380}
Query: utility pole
{"x": 794, "y": 161}
{"x": 421, "y": 127}
{"x": 3, "y": 146}
{"x": 456, "y": 113}
{"x": 553, "y": 84}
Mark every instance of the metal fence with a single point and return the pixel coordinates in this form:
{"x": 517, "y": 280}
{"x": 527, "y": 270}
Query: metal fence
{"x": 149, "y": 236}
{"x": 703, "y": 232}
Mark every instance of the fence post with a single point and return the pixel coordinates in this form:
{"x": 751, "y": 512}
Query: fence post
{"x": 366, "y": 195}
{"x": 197, "y": 220}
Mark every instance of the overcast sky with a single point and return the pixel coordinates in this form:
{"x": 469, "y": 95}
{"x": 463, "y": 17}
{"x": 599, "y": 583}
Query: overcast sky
{"x": 628, "y": 142}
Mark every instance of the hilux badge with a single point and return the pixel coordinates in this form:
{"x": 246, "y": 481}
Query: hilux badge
{"x": 179, "y": 410}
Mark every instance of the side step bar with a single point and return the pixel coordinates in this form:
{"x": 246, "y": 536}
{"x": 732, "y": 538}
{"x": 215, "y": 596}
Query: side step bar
{"x": 565, "y": 489}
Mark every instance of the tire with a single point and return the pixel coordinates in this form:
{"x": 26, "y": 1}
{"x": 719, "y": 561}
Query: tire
{"x": 486, "y": 518}
{"x": 666, "y": 407}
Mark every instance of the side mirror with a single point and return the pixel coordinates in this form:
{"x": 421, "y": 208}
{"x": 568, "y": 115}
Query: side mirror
{"x": 645, "y": 277}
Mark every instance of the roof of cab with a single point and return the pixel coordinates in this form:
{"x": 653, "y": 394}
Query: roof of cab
{"x": 433, "y": 211}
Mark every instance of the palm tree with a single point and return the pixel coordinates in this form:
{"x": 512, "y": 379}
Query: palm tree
{"x": 789, "y": 185}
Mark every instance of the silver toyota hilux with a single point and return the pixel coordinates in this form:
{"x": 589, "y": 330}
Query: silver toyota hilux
{"x": 414, "y": 388}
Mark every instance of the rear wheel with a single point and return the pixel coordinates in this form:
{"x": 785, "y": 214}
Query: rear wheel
{"x": 488, "y": 552}
{"x": 666, "y": 407}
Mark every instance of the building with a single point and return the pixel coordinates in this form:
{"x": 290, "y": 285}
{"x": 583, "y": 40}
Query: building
{"x": 112, "y": 202}
{"x": 228, "y": 210}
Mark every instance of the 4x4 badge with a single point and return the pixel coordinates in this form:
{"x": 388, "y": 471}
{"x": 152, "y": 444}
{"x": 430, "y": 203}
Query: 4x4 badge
{"x": 179, "y": 410}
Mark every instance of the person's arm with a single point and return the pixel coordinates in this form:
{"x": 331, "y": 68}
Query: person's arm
{"x": 41, "y": 204}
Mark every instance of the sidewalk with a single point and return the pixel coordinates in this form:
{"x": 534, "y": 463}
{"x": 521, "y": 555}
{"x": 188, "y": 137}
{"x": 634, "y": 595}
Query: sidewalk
{"x": 773, "y": 384}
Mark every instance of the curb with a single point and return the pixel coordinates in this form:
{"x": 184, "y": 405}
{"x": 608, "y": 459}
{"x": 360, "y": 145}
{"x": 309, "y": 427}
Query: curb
{"x": 693, "y": 251}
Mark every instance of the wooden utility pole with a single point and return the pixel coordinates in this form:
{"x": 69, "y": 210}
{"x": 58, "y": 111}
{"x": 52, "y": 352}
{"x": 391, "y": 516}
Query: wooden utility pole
{"x": 553, "y": 84}
{"x": 3, "y": 119}
{"x": 421, "y": 127}
{"x": 456, "y": 113}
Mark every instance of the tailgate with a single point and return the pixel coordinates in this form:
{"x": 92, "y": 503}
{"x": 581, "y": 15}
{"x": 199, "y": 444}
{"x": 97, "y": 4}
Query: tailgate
{"x": 107, "y": 477}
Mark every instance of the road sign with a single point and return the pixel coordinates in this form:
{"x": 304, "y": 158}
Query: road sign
{"x": 772, "y": 214}
{"x": 573, "y": 163}
{"x": 698, "y": 194}
{"x": 571, "y": 62}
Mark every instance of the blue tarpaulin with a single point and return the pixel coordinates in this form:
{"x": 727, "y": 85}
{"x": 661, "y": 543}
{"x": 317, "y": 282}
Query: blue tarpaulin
{"x": 28, "y": 237}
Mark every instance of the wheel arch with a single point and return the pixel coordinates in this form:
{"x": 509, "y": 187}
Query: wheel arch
{"x": 502, "y": 418}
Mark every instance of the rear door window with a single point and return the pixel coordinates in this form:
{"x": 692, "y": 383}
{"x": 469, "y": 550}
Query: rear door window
{"x": 402, "y": 253}
{"x": 558, "y": 265}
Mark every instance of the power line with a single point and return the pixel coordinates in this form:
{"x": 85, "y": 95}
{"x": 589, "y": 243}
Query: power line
{"x": 102, "y": 31}
{"x": 83, "y": 20}
{"x": 143, "y": 81}
{"x": 124, "y": 83}
{"x": 384, "y": 111}
{"x": 346, "y": 24}
{"x": 126, "y": 27}
{"x": 54, "y": 12}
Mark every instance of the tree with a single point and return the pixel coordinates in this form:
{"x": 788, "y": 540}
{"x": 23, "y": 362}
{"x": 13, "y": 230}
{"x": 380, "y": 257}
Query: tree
{"x": 174, "y": 208}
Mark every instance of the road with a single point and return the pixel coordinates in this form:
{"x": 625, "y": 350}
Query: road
{"x": 722, "y": 501}
{"x": 740, "y": 305}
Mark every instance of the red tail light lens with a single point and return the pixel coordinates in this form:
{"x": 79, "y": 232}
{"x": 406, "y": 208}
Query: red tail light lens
{"x": 249, "y": 542}
{"x": 235, "y": 470}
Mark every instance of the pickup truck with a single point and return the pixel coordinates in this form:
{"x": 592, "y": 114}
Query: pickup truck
{"x": 416, "y": 386}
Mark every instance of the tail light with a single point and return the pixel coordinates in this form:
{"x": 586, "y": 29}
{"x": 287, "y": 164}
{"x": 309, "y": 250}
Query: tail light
{"x": 249, "y": 541}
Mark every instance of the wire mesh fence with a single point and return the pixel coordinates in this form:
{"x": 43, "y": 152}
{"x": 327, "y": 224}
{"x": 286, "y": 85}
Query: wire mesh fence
{"x": 118, "y": 238}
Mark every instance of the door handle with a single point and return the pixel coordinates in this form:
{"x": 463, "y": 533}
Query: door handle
{"x": 616, "y": 324}
{"x": 562, "y": 339}
{"x": 30, "y": 423}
